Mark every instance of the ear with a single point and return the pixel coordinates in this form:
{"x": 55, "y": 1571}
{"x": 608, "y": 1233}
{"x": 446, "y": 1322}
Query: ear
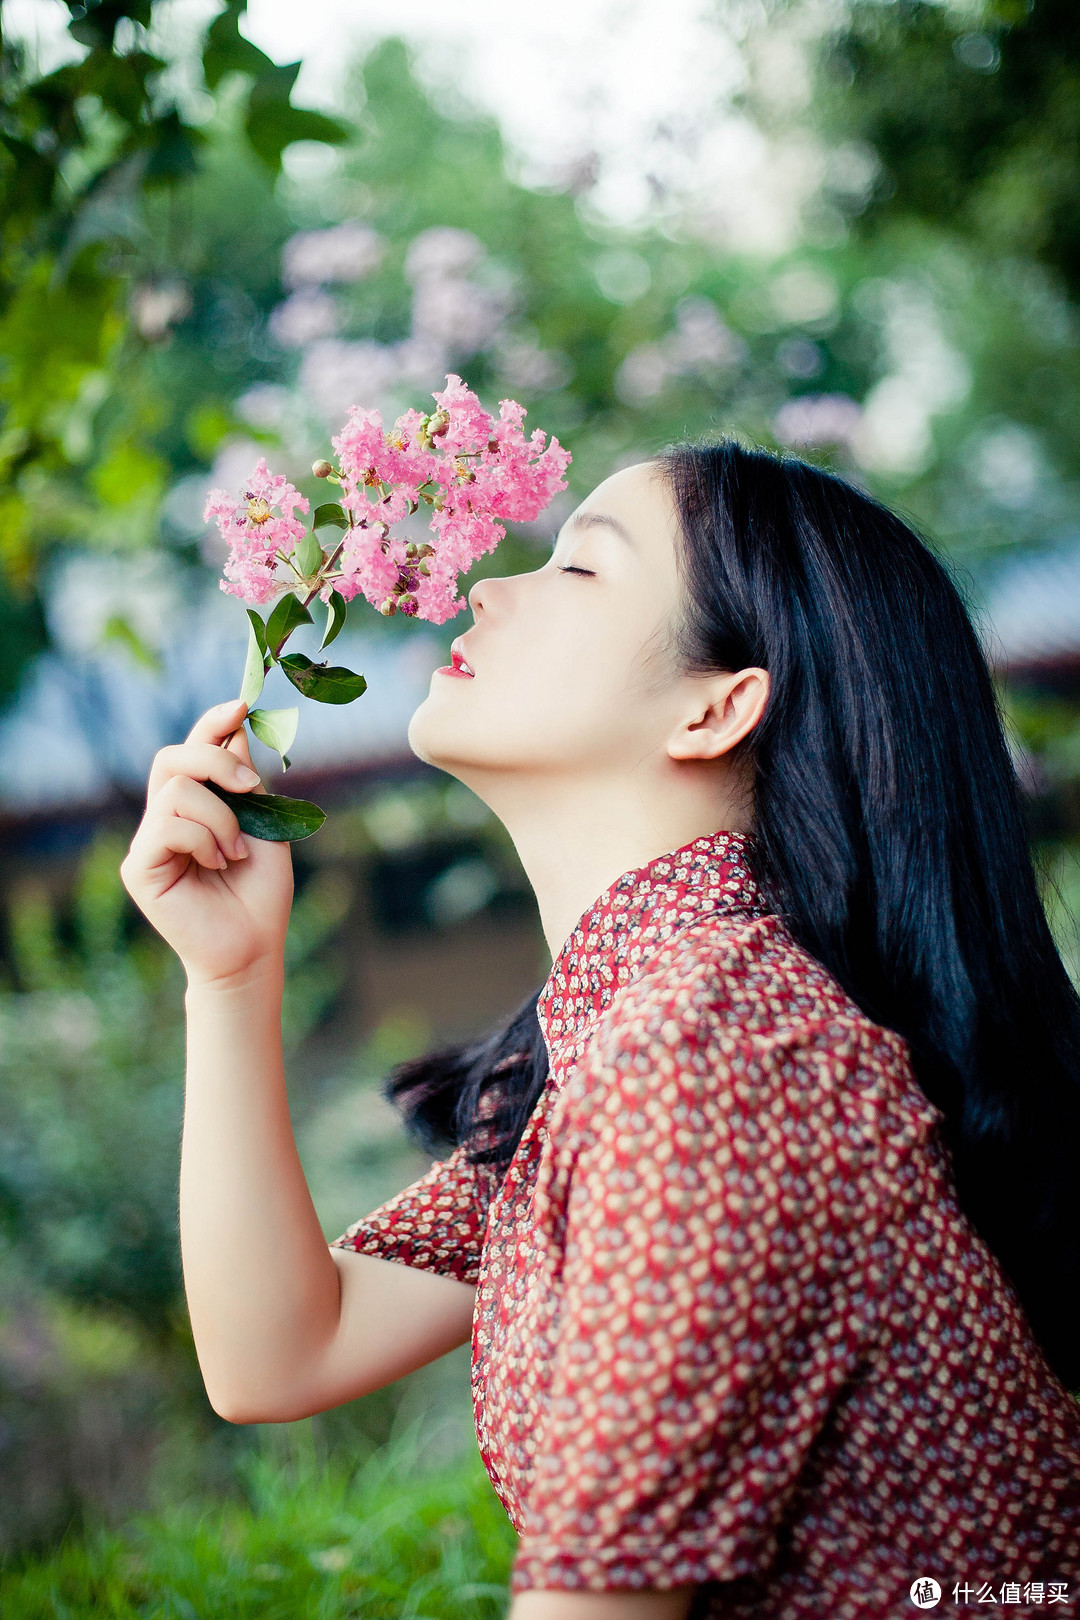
{"x": 728, "y": 708}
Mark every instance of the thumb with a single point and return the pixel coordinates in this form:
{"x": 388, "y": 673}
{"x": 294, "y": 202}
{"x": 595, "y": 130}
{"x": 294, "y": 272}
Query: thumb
{"x": 238, "y": 745}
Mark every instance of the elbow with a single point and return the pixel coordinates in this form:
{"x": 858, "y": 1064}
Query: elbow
{"x": 234, "y": 1406}
{"x": 245, "y": 1406}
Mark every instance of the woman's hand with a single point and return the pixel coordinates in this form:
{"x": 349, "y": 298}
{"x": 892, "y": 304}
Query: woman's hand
{"x": 220, "y": 899}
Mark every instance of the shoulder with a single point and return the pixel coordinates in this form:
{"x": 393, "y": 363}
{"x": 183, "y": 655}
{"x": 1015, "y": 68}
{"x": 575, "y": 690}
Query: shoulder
{"x": 737, "y": 1022}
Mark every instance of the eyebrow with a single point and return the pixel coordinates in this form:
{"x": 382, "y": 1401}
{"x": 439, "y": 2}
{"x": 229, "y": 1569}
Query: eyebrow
{"x": 595, "y": 520}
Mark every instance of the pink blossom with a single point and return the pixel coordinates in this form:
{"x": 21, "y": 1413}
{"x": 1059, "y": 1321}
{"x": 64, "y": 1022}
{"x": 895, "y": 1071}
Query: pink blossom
{"x": 366, "y": 568}
{"x": 470, "y": 425}
{"x": 360, "y": 444}
{"x": 477, "y": 473}
{"x": 255, "y": 534}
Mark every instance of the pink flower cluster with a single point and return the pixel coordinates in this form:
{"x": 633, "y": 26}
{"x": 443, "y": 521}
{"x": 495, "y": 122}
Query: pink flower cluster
{"x": 256, "y": 533}
{"x": 475, "y": 471}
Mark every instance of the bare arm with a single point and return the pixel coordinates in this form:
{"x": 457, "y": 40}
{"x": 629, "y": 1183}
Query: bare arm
{"x": 623, "y": 1604}
{"x": 283, "y": 1325}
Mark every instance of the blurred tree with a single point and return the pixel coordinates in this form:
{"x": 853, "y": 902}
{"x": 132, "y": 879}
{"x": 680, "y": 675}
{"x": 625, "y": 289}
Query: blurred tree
{"x": 85, "y": 152}
{"x": 974, "y": 113}
{"x": 91, "y": 1058}
{"x": 966, "y": 119}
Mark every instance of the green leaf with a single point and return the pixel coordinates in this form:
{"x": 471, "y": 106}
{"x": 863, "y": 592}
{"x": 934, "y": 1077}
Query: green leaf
{"x": 172, "y": 147}
{"x": 272, "y": 816}
{"x": 98, "y": 28}
{"x": 254, "y": 669}
{"x": 272, "y": 123}
{"x": 260, "y": 635}
{"x": 227, "y": 51}
{"x": 329, "y": 513}
{"x": 325, "y": 683}
{"x": 286, "y": 617}
{"x": 335, "y": 618}
{"x": 308, "y": 554}
{"x": 276, "y": 728}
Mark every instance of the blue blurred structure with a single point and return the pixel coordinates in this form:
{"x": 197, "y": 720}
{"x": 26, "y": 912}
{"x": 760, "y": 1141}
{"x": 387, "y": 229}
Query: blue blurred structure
{"x": 90, "y": 716}
{"x": 1033, "y": 611}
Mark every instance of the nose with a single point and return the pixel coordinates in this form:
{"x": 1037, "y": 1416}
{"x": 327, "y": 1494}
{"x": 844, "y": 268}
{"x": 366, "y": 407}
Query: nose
{"x": 483, "y": 594}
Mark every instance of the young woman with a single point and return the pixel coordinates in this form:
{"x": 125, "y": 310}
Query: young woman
{"x": 762, "y": 1214}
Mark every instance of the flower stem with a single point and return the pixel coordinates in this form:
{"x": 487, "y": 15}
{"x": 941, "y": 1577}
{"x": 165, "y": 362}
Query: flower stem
{"x": 321, "y": 581}
{"x": 312, "y": 594}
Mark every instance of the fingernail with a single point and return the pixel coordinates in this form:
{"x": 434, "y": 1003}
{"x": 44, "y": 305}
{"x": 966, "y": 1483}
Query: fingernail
{"x": 246, "y": 776}
{"x": 227, "y": 708}
{"x": 240, "y": 848}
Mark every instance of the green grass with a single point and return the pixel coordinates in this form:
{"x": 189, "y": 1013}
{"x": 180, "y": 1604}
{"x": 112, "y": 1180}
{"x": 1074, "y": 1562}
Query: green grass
{"x": 390, "y": 1538}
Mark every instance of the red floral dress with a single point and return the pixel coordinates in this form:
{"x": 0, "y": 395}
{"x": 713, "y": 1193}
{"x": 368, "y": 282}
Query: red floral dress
{"x": 732, "y": 1327}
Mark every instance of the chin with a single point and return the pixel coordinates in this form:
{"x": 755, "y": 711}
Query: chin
{"x": 451, "y": 743}
{"x": 431, "y": 735}
{"x": 418, "y": 735}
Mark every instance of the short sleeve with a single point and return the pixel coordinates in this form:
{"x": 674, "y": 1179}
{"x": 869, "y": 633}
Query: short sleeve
{"x": 706, "y": 1212}
{"x": 436, "y": 1224}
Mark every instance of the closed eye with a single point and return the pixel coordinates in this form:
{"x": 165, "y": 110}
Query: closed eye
{"x": 570, "y": 569}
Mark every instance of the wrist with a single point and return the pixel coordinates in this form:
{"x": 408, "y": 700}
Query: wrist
{"x": 265, "y": 977}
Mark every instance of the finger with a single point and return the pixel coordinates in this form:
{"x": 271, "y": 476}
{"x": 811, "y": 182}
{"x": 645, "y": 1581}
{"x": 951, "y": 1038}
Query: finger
{"x": 202, "y": 761}
{"x": 225, "y": 725}
{"x": 218, "y": 723}
{"x": 238, "y": 745}
{"x": 184, "y": 797}
{"x": 162, "y": 837}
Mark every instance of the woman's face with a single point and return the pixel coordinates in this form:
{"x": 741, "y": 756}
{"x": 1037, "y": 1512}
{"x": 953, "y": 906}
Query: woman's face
{"x": 572, "y": 672}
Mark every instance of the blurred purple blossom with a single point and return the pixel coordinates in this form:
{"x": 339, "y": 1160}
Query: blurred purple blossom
{"x": 346, "y": 252}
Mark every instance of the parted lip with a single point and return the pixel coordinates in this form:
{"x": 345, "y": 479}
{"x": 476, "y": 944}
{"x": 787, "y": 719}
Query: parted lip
{"x": 458, "y": 657}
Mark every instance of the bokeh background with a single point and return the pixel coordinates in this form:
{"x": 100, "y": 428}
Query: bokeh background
{"x": 850, "y": 228}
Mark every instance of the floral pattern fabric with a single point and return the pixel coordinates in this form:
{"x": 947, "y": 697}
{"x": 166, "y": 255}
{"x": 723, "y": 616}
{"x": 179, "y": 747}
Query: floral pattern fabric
{"x": 732, "y": 1327}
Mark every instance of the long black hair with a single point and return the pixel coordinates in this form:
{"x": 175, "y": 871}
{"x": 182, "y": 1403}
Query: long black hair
{"x": 889, "y": 835}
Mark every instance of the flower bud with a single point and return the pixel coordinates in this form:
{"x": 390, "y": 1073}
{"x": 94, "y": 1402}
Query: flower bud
{"x": 422, "y": 568}
{"x": 493, "y": 446}
{"x": 426, "y": 550}
{"x": 412, "y": 550}
{"x": 388, "y": 607}
{"x": 408, "y": 605}
{"x": 322, "y": 469}
{"x": 439, "y": 423}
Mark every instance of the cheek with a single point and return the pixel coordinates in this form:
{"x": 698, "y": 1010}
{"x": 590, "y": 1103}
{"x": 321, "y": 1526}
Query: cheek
{"x": 570, "y": 695}
{"x": 555, "y": 688}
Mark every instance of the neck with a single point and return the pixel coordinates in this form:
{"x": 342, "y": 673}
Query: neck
{"x": 575, "y": 844}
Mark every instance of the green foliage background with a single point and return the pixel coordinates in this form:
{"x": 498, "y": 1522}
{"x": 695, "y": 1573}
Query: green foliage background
{"x": 949, "y": 190}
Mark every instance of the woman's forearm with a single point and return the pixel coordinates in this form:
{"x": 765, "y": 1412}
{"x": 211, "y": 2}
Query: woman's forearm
{"x": 262, "y": 1289}
{"x": 623, "y": 1604}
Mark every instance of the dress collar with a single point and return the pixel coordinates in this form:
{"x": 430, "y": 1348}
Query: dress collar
{"x": 630, "y": 920}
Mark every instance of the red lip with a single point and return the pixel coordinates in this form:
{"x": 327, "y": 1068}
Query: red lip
{"x": 459, "y": 660}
